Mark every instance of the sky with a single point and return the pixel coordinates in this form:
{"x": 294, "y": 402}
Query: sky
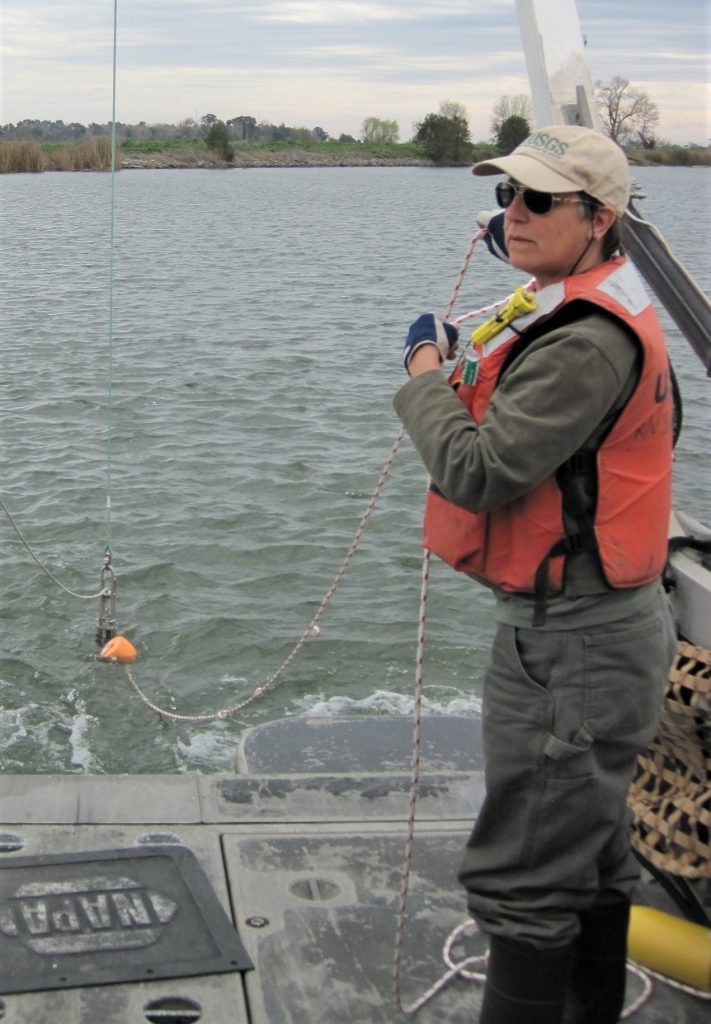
{"x": 330, "y": 63}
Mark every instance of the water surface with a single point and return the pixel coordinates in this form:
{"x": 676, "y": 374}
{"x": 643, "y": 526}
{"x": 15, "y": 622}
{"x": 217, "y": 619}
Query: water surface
{"x": 258, "y": 319}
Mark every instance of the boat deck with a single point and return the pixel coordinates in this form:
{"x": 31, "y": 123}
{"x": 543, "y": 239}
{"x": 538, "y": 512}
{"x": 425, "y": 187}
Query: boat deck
{"x": 307, "y": 866}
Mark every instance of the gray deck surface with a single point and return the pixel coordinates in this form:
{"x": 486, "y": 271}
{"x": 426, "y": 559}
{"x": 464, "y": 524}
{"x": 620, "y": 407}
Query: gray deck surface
{"x": 307, "y": 866}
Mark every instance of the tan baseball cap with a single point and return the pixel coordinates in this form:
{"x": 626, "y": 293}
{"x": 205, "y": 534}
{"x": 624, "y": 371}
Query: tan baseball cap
{"x": 568, "y": 158}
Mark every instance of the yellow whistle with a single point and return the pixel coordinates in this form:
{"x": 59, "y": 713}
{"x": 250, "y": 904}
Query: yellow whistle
{"x": 522, "y": 301}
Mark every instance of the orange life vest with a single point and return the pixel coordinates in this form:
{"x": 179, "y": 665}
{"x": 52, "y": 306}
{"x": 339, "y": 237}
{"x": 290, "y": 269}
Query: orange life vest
{"x": 521, "y": 547}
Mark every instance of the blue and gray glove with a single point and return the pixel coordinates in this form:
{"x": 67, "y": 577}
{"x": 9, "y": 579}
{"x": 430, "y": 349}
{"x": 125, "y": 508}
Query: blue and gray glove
{"x": 430, "y": 330}
{"x": 493, "y": 221}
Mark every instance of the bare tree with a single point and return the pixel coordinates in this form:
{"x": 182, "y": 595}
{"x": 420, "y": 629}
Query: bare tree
{"x": 646, "y": 121}
{"x": 625, "y": 109}
{"x": 506, "y": 107}
{"x": 187, "y": 128}
{"x": 451, "y": 109}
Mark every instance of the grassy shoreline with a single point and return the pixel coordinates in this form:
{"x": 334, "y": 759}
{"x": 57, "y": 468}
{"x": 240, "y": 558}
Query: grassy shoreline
{"x": 91, "y": 155}
{"x": 194, "y": 153}
{"x": 95, "y": 154}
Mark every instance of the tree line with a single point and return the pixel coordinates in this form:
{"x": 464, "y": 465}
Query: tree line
{"x": 628, "y": 116}
{"x": 242, "y": 128}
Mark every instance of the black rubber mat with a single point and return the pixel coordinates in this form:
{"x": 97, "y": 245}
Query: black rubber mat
{"x": 111, "y": 916}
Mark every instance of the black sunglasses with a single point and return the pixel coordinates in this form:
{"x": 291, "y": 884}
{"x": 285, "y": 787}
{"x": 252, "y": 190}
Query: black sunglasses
{"x": 538, "y": 203}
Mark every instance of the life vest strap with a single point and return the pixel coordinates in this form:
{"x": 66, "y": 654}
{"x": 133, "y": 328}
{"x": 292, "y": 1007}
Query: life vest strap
{"x": 571, "y": 544}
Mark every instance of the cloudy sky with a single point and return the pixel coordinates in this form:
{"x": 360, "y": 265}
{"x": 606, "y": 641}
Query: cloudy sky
{"x": 329, "y": 63}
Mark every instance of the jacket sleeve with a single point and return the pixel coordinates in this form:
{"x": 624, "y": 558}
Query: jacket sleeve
{"x": 550, "y": 401}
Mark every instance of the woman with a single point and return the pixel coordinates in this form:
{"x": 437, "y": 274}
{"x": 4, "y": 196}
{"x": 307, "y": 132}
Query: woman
{"x": 551, "y": 483}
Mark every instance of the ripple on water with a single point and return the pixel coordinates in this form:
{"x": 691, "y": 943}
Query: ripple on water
{"x": 257, "y": 324}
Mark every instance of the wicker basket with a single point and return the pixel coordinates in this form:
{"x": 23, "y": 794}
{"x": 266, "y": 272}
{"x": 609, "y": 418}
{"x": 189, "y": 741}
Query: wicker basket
{"x": 671, "y": 795}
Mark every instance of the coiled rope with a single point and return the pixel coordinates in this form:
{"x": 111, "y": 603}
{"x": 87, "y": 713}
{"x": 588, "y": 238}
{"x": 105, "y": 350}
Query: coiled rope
{"x": 467, "y": 969}
{"x": 645, "y": 974}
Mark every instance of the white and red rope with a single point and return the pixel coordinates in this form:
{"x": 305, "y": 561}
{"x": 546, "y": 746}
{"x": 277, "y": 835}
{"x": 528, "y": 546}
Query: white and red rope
{"x": 312, "y": 628}
{"x": 465, "y": 967}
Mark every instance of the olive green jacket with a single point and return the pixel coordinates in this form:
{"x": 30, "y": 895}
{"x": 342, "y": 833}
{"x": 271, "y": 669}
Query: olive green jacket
{"x": 562, "y": 392}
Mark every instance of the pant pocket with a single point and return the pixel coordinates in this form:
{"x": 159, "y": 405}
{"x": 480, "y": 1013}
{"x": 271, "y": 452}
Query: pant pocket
{"x": 552, "y": 663}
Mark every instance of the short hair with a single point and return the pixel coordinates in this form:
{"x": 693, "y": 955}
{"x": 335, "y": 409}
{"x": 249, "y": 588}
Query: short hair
{"x": 612, "y": 239}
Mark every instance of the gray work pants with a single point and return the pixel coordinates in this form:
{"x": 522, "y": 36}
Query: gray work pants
{"x": 565, "y": 714}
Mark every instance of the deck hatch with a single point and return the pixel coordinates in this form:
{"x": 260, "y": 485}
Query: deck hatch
{"x": 111, "y": 916}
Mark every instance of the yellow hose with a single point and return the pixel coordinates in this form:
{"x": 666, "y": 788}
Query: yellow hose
{"x": 670, "y": 946}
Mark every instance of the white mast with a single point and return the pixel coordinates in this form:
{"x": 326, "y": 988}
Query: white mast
{"x": 561, "y": 84}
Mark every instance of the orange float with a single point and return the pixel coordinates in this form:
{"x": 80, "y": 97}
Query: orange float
{"x": 119, "y": 649}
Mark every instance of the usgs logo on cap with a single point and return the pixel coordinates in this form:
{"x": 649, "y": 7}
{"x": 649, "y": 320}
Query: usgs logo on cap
{"x": 546, "y": 142}
{"x": 85, "y": 915}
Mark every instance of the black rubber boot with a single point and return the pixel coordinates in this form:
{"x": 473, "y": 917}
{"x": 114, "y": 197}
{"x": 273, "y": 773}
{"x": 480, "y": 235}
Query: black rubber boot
{"x": 600, "y": 971}
{"x": 525, "y": 985}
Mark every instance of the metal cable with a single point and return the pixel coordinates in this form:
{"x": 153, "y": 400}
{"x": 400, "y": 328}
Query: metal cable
{"x": 45, "y": 570}
{"x": 112, "y": 226}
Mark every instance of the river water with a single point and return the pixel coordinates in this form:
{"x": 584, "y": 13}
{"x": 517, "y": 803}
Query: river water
{"x": 239, "y": 420}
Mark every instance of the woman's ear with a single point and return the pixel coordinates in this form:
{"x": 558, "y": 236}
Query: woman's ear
{"x": 605, "y": 217}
